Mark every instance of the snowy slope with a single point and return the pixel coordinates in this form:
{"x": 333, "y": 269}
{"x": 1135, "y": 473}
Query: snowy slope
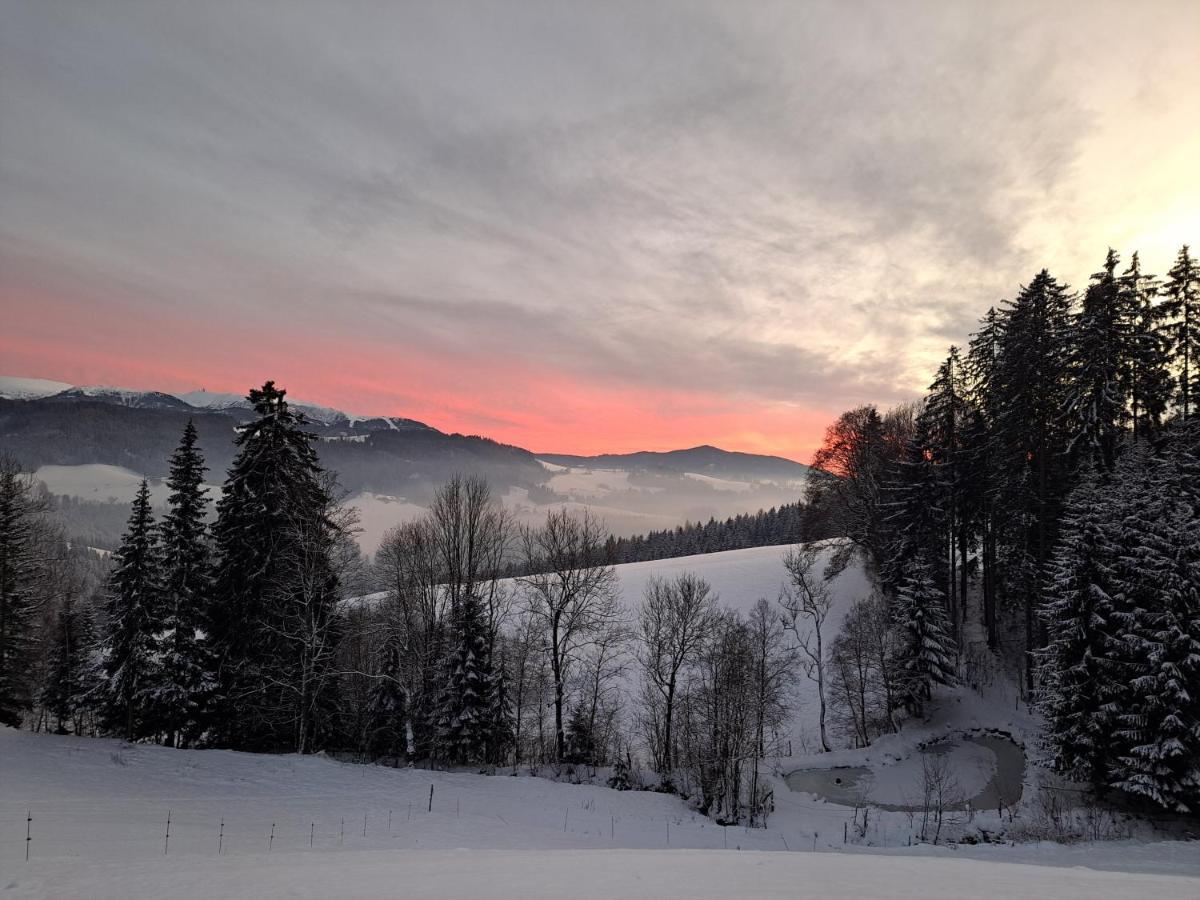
{"x": 99, "y": 811}
{"x": 14, "y": 387}
{"x": 100, "y": 483}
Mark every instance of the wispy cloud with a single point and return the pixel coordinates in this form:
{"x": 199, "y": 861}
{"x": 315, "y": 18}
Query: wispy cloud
{"x": 758, "y": 214}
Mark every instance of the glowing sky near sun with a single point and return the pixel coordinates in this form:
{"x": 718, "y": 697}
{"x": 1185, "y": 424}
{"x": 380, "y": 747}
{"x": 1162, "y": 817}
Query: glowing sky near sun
{"x": 573, "y": 227}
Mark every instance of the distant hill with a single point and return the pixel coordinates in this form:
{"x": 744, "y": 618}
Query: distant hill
{"x": 702, "y": 460}
{"x": 390, "y": 466}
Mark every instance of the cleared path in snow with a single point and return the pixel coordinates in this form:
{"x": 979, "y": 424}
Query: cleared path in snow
{"x": 585, "y": 874}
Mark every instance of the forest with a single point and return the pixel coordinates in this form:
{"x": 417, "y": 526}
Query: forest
{"x": 1038, "y": 509}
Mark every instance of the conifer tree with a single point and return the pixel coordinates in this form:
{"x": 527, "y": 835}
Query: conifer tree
{"x": 1182, "y": 311}
{"x": 20, "y": 570}
{"x": 1029, "y": 391}
{"x": 388, "y": 703}
{"x": 268, "y": 537}
{"x": 71, "y": 673}
{"x": 1101, "y": 344}
{"x": 1159, "y": 718}
{"x": 134, "y": 609}
{"x": 928, "y": 654}
{"x": 464, "y": 719}
{"x": 1147, "y": 376}
{"x": 1080, "y": 666}
{"x": 184, "y": 676}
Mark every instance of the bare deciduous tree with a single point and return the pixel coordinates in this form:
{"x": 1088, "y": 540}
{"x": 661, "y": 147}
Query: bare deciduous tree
{"x": 673, "y": 623}
{"x": 572, "y": 595}
{"x": 806, "y": 600}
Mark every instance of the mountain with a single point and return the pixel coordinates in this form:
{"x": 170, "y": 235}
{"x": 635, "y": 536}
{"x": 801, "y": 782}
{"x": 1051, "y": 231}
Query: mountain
{"x": 702, "y": 460}
{"x": 14, "y": 387}
{"x": 92, "y": 443}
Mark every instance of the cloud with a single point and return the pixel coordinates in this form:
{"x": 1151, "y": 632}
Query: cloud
{"x": 778, "y": 207}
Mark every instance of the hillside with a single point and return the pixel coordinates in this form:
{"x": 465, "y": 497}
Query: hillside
{"x": 389, "y": 466}
{"x": 296, "y": 824}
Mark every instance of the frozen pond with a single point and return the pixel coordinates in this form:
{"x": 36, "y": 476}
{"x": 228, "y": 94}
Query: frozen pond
{"x": 989, "y": 770}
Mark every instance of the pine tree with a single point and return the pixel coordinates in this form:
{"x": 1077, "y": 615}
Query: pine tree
{"x": 464, "y": 717}
{"x": 388, "y": 703}
{"x": 1080, "y": 667}
{"x": 134, "y": 622}
{"x": 928, "y": 654}
{"x": 581, "y": 743}
{"x": 20, "y": 569}
{"x": 1102, "y": 342}
{"x": 1159, "y": 719}
{"x": 184, "y": 676}
{"x": 1182, "y": 312}
{"x": 1147, "y": 376}
{"x": 1029, "y": 393}
{"x": 269, "y": 538}
{"x": 72, "y": 673}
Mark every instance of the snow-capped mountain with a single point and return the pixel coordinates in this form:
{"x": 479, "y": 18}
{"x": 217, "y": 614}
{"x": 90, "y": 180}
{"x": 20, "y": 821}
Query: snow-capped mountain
{"x": 14, "y": 387}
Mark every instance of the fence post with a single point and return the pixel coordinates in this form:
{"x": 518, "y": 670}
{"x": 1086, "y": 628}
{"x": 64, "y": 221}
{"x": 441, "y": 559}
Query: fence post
{"x": 668, "y": 832}
{"x": 271, "y": 841}
{"x": 167, "y": 836}
{"x": 389, "y": 821}
{"x": 28, "y": 832}
{"x": 312, "y": 831}
{"x": 342, "y": 833}
{"x": 430, "y": 799}
{"x": 221, "y": 838}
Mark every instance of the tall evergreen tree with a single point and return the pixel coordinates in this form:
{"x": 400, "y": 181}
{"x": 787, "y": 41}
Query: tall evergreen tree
{"x": 1182, "y": 311}
{"x": 1030, "y": 389}
{"x": 1159, "y": 718}
{"x": 20, "y": 570}
{"x": 1102, "y": 342}
{"x": 71, "y": 674}
{"x": 1081, "y": 682}
{"x": 464, "y": 719}
{"x": 134, "y": 622}
{"x": 1147, "y": 376}
{"x": 273, "y": 582}
{"x": 184, "y": 676}
{"x": 928, "y": 653}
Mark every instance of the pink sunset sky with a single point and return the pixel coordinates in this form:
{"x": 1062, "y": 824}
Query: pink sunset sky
{"x": 581, "y": 229}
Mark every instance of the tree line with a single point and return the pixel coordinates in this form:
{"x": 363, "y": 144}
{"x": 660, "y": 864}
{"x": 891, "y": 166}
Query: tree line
{"x": 257, "y": 625}
{"x": 1041, "y": 507}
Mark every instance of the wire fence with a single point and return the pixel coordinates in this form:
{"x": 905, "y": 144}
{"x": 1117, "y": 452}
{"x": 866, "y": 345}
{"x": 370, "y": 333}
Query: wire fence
{"x": 431, "y": 818}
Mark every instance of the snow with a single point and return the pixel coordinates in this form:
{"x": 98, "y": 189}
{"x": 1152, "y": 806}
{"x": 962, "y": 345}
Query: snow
{"x": 720, "y": 484}
{"x": 203, "y": 399}
{"x": 102, "y": 483}
{"x": 98, "y": 482}
{"x": 15, "y": 387}
{"x": 99, "y": 810}
{"x": 587, "y": 484}
{"x": 379, "y": 512}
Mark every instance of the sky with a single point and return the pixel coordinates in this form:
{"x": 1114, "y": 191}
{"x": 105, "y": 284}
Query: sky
{"x": 573, "y": 226}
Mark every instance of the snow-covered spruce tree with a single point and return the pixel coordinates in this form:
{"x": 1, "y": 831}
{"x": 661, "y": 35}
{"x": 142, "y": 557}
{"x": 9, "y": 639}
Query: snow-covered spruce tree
{"x": 1159, "y": 719}
{"x": 1081, "y": 684}
{"x": 1101, "y": 344}
{"x": 1182, "y": 312}
{"x": 134, "y": 620}
{"x": 20, "y": 569}
{"x": 928, "y": 652}
{"x": 464, "y": 718}
{"x": 184, "y": 678}
{"x": 269, "y": 520}
{"x": 71, "y": 672}
{"x": 1147, "y": 371}
{"x": 1029, "y": 393}
{"x": 388, "y": 704}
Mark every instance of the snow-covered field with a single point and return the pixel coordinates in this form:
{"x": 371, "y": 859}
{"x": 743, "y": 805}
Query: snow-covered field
{"x": 99, "y": 811}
